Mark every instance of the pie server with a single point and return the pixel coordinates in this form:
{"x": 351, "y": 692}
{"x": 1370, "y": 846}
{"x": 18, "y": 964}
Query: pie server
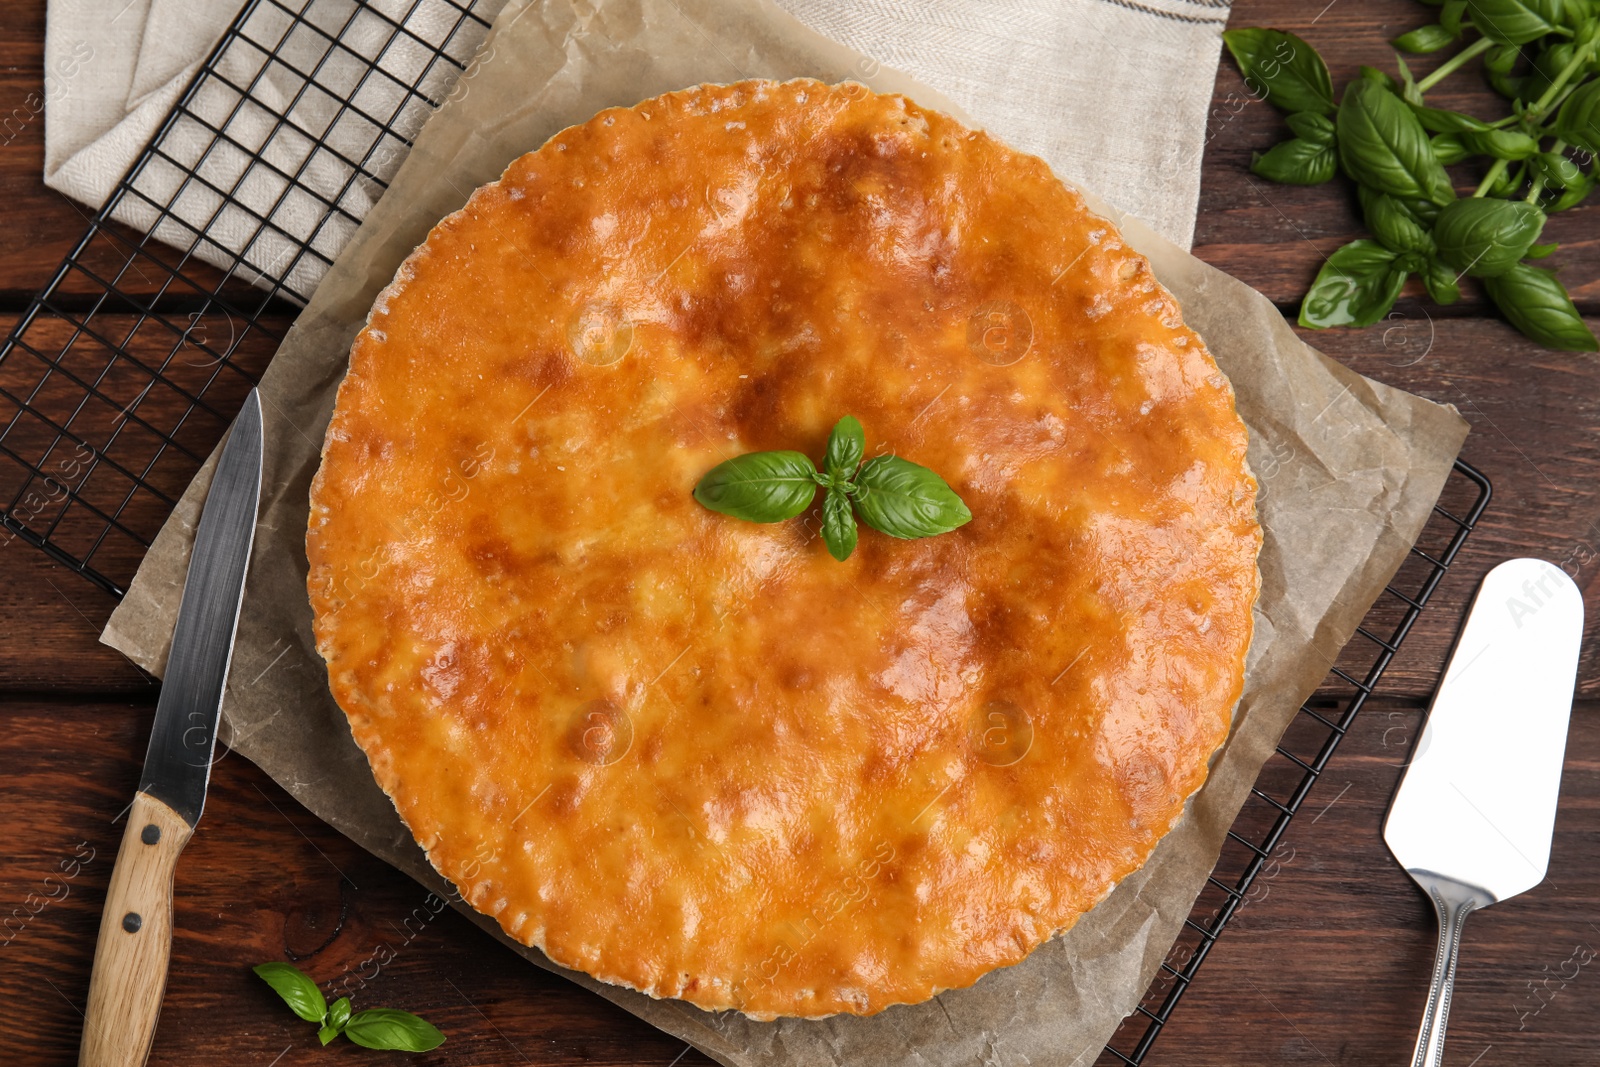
{"x": 130, "y": 959}
{"x": 1472, "y": 819}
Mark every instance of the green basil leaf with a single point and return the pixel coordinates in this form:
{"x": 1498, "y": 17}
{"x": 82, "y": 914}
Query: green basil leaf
{"x": 1501, "y": 144}
{"x": 327, "y": 1034}
{"x": 760, "y": 486}
{"x": 1285, "y": 68}
{"x": 1310, "y": 126}
{"x": 339, "y": 1013}
{"x": 1425, "y": 40}
{"x": 1538, "y": 305}
{"x": 1356, "y": 287}
{"x": 1382, "y": 145}
{"x": 1450, "y": 16}
{"x": 1578, "y": 121}
{"x": 1571, "y": 198}
{"x": 1392, "y": 222}
{"x": 1540, "y": 251}
{"x": 1296, "y": 162}
{"x": 1408, "y": 84}
{"x": 838, "y": 525}
{"x": 296, "y": 988}
{"x": 1557, "y": 169}
{"x": 1441, "y": 283}
{"x": 1576, "y": 12}
{"x": 1378, "y": 77}
{"x": 846, "y": 445}
{"x": 1497, "y": 64}
{"x": 1438, "y": 120}
{"x": 1515, "y": 21}
{"x": 1486, "y": 237}
{"x": 903, "y": 499}
{"x": 392, "y": 1029}
{"x": 1448, "y": 149}
{"x": 1547, "y": 67}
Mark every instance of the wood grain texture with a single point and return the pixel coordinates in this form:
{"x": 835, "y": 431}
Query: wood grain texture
{"x": 129, "y": 972}
{"x": 1327, "y": 963}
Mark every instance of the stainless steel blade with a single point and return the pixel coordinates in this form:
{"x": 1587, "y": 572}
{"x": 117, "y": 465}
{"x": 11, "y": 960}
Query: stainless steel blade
{"x": 177, "y": 765}
{"x": 1473, "y": 817}
{"x": 1478, "y": 800}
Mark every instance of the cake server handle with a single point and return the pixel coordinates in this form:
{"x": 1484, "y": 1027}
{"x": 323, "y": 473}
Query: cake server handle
{"x": 1453, "y": 901}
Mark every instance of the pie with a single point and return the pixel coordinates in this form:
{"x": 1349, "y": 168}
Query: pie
{"x": 697, "y": 756}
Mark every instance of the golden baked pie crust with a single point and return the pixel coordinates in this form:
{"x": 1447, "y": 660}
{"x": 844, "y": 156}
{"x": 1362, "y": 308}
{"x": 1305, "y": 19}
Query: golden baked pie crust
{"x": 697, "y": 756}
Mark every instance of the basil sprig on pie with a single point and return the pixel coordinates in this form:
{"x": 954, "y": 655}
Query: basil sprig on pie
{"x": 889, "y": 494}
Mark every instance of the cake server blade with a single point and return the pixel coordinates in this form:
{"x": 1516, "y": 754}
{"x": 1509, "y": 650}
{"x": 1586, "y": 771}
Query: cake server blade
{"x": 1472, "y": 819}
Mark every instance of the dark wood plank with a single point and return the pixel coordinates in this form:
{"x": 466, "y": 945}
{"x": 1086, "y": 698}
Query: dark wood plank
{"x": 50, "y": 618}
{"x": 1329, "y": 957}
{"x": 261, "y": 880}
{"x": 1275, "y": 236}
{"x": 1329, "y": 960}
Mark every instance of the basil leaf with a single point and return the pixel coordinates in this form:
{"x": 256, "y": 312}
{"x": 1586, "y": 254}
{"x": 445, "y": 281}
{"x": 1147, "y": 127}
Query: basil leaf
{"x": 1282, "y": 66}
{"x": 1356, "y": 287}
{"x": 1310, "y": 126}
{"x": 1296, "y": 162}
{"x": 339, "y": 1013}
{"x": 1425, "y": 40}
{"x": 1574, "y": 195}
{"x": 1557, "y": 169}
{"x": 1441, "y": 283}
{"x": 903, "y": 499}
{"x": 838, "y": 525}
{"x": 1392, "y": 223}
{"x": 1540, "y": 251}
{"x": 760, "y": 486}
{"x": 1450, "y": 16}
{"x": 392, "y": 1029}
{"x": 1538, "y": 305}
{"x": 1501, "y": 144}
{"x": 296, "y": 988}
{"x": 1448, "y": 149}
{"x": 1547, "y": 67}
{"x": 1381, "y": 144}
{"x": 846, "y": 445}
{"x": 1578, "y": 121}
{"x": 1408, "y": 88}
{"x": 1514, "y": 21}
{"x": 1438, "y": 120}
{"x": 327, "y": 1034}
{"x": 1486, "y": 237}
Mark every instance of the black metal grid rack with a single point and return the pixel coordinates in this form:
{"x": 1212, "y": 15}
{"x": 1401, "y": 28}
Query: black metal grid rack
{"x": 262, "y": 172}
{"x": 266, "y": 166}
{"x": 1302, "y": 755}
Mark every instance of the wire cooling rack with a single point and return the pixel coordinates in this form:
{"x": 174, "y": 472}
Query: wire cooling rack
{"x": 290, "y": 131}
{"x": 266, "y": 165}
{"x": 1252, "y": 849}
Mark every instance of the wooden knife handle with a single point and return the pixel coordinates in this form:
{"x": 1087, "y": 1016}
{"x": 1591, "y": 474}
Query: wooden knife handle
{"x": 130, "y": 959}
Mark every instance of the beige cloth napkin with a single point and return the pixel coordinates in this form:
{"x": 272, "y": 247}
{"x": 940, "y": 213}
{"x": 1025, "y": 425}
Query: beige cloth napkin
{"x": 1113, "y": 93}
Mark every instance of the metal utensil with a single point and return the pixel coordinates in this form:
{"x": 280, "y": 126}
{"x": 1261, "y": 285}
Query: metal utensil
{"x": 130, "y": 958}
{"x": 1472, "y": 819}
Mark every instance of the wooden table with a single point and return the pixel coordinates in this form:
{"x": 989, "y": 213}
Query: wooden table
{"x": 1327, "y": 964}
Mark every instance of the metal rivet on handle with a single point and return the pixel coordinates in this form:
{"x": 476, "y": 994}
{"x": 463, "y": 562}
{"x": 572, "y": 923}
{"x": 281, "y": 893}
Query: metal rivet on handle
{"x": 151, "y": 834}
{"x": 131, "y": 922}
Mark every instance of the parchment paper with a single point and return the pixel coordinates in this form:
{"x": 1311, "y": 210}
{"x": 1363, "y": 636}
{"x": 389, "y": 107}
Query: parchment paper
{"x": 1349, "y": 469}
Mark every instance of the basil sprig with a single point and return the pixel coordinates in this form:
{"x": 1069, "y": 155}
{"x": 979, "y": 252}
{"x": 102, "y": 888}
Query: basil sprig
{"x": 890, "y": 494}
{"x": 380, "y": 1028}
{"x": 1541, "y": 159}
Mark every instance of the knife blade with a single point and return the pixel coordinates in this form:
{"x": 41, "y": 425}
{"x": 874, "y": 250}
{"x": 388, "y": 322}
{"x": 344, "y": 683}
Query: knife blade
{"x": 1473, "y": 817}
{"x": 135, "y": 942}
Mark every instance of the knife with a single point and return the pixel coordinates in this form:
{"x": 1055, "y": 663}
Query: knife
{"x": 130, "y": 958}
{"x": 1472, "y": 819}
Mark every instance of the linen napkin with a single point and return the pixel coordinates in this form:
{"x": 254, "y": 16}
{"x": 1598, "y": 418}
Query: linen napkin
{"x": 1112, "y": 93}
